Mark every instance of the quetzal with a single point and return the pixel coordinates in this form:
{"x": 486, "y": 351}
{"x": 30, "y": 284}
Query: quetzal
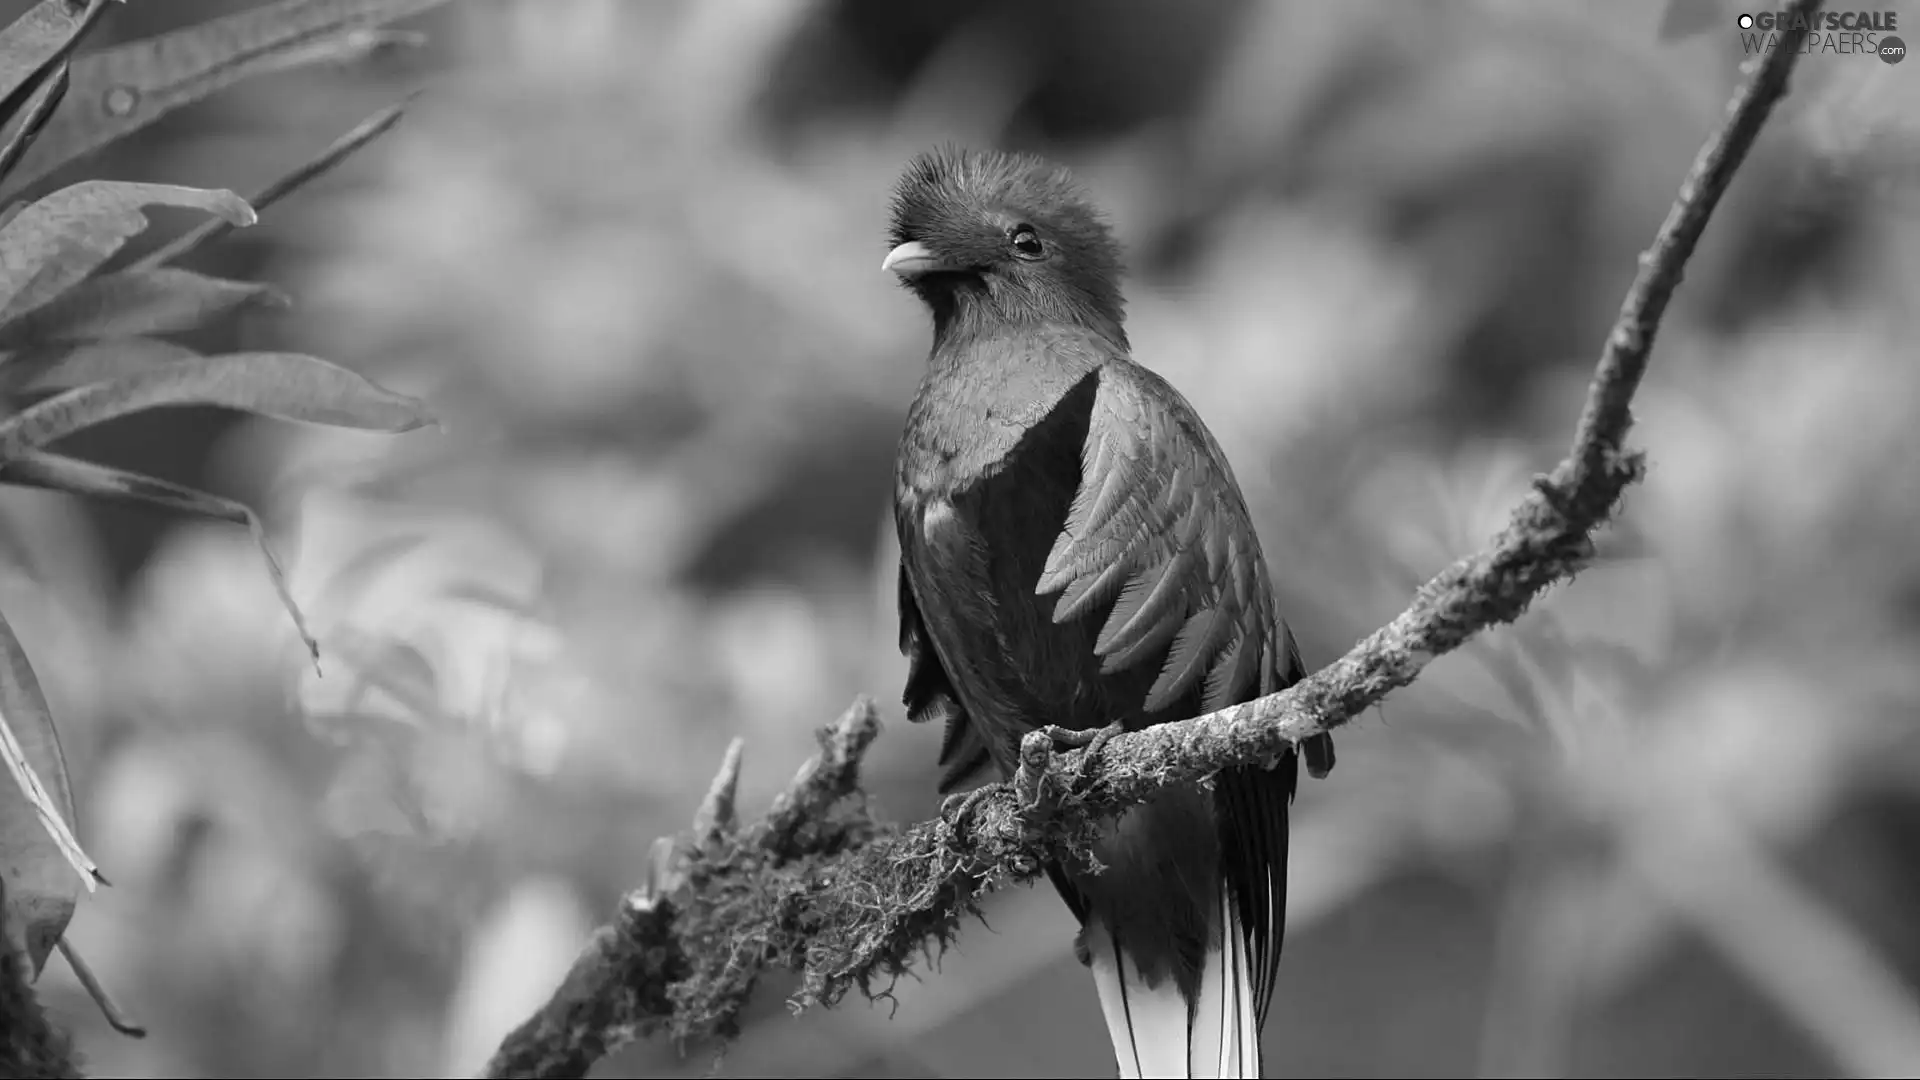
{"x": 1074, "y": 551}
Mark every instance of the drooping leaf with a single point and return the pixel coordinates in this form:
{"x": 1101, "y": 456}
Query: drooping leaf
{"x": 286, "y": 386}
{"x": 34, "y": 114}
{"x": 133, "y": 302}
{"x": 32, "y": 45}
{"x": 115, "y": 1016}
{"x": 57, "y": 472}
{"x": 42, "y": 860}
{"x": 65, "y": 365}
{"x": 34, "y": 70}
{"x": 120, "y": 90}
{"x": 56, "y": 242}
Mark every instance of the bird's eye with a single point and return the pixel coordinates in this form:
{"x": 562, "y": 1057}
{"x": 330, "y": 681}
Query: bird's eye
{"x": 1026, "y": 242}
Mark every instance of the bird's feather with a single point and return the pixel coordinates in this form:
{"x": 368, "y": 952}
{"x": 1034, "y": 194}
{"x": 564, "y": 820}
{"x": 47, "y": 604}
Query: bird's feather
{"x": 1157, "y": 1032}
{"x": 1158, "y": 508}
{"x": 930, "y": 696}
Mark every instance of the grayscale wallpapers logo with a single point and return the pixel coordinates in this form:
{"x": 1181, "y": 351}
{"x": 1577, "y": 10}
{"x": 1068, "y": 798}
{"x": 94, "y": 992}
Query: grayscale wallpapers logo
{"x": 1837, "y": 33}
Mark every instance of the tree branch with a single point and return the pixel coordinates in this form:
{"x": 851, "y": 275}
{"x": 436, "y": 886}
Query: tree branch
{"x": 819, "y": 887}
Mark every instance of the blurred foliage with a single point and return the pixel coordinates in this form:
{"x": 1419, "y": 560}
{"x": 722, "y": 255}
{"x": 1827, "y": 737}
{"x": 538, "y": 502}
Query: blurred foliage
{"x": 78, "y": 355}
{"x": 630, "y": 252}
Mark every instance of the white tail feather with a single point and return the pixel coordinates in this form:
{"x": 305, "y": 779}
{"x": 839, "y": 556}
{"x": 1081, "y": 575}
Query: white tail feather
{"x": 1153, "y": 1033}
{"x": 1148, "y": 1024}
{"x": 1226, "y": 1028}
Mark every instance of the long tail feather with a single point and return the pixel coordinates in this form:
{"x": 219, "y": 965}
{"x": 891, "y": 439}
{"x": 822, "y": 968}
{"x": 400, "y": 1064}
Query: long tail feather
{"x": 1226, "y": 1026}
{"x": 1148, "y": 1024}
{"x": 1157, "y": 1033}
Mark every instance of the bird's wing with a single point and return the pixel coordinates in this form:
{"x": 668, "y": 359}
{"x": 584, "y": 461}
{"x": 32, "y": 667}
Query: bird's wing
{"x": 930, "y": 696}
{"x": 1159, "y": 530}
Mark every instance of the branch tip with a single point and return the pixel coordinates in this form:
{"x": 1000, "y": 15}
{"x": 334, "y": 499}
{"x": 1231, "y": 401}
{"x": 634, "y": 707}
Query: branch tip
{"x": 716, "y": 818}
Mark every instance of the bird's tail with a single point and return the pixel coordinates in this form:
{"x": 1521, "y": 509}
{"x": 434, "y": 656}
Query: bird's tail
{"x": 1156, "y": 1032}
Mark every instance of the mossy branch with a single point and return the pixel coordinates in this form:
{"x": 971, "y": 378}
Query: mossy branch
{"x": 820, "y": 887}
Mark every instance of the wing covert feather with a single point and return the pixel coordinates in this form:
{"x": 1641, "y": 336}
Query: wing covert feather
{"x": 1159, "y": 529}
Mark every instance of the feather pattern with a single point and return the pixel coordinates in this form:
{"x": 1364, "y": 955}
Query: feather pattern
{"x": 1155, "y": 505}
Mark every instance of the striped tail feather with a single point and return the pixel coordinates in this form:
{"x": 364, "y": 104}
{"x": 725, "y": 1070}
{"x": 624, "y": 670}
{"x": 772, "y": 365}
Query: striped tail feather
{"x": 1157, "y": 1032}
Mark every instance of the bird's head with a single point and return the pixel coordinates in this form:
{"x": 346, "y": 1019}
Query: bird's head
{"x": 990, "y": 235}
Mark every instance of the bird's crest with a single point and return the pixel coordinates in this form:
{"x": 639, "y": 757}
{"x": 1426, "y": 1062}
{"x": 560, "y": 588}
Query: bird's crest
{"x": 965, "y": 205}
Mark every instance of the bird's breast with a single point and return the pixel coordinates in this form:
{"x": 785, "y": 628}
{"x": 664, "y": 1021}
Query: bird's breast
{"x": 972, "y": 411}
{"x": 953, "y": 438}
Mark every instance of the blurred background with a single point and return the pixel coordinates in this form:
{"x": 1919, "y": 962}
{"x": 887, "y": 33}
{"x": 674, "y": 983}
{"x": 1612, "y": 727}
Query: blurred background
{"x": 1669, "y": 824}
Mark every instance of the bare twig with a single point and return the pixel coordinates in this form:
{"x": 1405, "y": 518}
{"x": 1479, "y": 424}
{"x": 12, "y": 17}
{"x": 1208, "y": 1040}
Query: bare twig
{"x": 826, "y": 778}
{"x": 214, "y": 228}
{"x": 847, "y": 902}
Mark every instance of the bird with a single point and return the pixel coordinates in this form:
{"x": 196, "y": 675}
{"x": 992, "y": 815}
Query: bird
{"x": 1076, "y": 554}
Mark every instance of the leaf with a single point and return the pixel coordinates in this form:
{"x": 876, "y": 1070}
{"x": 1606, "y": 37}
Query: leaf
{"x": 38, "y": 851}
{"x": 45, "y": 98}
{"x": 32, "y": 44}
{"x": 55, "y": 243}
{"x": 115, "y": 1016}
{"x": 134, "y": 302}
{"x": 34, "y": 70}
{"x": 57, "y": 472}
{"x": 66, "y": 365}
{"x": 123, "y": 89}
{"x": 286, "y": 386}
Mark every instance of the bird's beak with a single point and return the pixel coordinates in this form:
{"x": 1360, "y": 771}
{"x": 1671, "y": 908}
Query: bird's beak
{"x": 912, "y": 259}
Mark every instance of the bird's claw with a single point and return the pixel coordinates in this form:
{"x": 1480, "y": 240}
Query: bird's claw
{"x": 1070, "y": 738}
{"x": 958, "y": 808}
{"x": 1093, "y": 740}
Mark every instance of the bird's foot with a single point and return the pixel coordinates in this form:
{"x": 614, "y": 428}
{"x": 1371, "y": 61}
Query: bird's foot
{"x": 957, "y": 809}
{"x": 1093, "y": 740}
{"x": 1035, "y": 782}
